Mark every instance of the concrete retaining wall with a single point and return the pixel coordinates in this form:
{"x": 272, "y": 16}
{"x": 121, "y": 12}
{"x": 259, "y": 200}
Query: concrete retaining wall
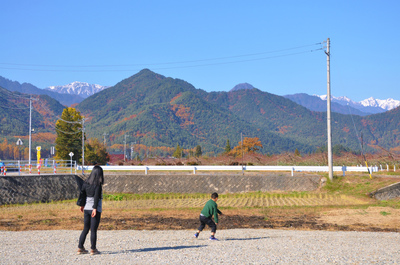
{"x": 44, "y": 188}
{"x": 209, "y": 183}
{"x": 387, "y": 193}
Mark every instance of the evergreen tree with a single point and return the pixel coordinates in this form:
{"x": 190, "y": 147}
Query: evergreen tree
{"x": 198, "y": 152}
{"x": 178, "y": 152}
{"x": 297, "y": 152}
{"x": 69, "y": 135}
{"x": 227, "y": 147}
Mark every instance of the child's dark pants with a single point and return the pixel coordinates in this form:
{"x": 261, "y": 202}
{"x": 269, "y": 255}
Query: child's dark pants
{"x": 207, "y": 221}
{"x": 90, "y": 223}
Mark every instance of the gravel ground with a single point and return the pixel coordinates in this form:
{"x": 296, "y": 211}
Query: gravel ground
{"x": 237, "y": 246}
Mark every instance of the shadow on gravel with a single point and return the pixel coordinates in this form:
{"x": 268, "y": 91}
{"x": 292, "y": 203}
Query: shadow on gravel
{"x": 155, "y": 249}
{"x": 240, "y": 239}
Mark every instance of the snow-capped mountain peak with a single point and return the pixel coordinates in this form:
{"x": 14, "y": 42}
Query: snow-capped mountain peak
{"x": 82, "y": 89}
{"x": 373, "y": 105}
{"x": 387, "y": 104}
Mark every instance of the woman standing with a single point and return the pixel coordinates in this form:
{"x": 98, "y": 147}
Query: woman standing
{"x": 90, "y": 201}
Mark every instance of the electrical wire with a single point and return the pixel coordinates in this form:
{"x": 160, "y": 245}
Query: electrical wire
{"x": 360, "y": 140}
{"x": 16, "y": 95}
{"x": 165, "y": 63}
{"x": 10, "y": 94}
{"x": 79, "y": 130}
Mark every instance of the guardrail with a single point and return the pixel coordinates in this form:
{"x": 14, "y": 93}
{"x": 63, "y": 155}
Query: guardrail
{"x": 194, "y": 169}
{"x": 44, "y": 166}
{"x": 65, "y": 166}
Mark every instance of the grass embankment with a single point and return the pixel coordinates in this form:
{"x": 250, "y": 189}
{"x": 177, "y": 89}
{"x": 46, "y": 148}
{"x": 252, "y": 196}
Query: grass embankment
{"x": 343, "y": 204}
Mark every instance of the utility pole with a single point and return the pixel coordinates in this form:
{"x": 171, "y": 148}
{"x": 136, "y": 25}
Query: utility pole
{"x": 30, "y": 127}
{"x": 83, "y": 144}
{"x": 104, "y": 134}
{"x": 241, "y": 140}
{"x": 125, "y": 147}
{"x": 328, "y": 113}
{"x": 132, "y": 149}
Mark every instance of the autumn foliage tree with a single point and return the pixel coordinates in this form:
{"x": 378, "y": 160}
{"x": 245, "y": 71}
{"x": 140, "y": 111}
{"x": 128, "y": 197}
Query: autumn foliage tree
{"x": 95, "y": 151}
{"x": 250, "y": 145}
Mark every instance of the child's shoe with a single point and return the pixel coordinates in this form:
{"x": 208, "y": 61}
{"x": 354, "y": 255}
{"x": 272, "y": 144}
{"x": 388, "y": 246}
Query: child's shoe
{"x": 213, "y": 238}
{"x": 196, "y": 235}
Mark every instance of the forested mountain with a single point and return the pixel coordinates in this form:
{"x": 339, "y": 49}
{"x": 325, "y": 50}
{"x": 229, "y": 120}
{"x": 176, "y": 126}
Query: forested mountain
{"x": 27, "y": 88}
{"x": 385, "y": 127}
{"x": 154, "y": 110}
{"x": 160, "y": 111}
{"x": 14, "y": 123}
{"x": 14, "y": 108}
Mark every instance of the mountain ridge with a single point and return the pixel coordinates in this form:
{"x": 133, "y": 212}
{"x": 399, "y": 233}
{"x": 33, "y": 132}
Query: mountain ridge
{"x": 28, "y": 88}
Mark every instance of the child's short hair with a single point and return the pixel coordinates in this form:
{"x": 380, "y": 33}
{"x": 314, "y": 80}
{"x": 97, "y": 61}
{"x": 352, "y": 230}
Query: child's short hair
{"x": 214, "y": 195}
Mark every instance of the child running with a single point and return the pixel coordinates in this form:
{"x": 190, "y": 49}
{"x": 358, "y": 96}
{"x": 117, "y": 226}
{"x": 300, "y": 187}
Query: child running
{"x": 210, "y": 209}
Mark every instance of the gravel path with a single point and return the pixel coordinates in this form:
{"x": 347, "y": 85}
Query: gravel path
{"x": 237, "y": 246}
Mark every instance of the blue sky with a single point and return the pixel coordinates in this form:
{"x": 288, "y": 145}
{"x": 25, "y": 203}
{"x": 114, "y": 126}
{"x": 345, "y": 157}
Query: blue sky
{"x": 214, "y": 45}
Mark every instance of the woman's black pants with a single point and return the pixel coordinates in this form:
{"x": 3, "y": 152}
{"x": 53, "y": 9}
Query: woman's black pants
{"x": 89, "y": 223}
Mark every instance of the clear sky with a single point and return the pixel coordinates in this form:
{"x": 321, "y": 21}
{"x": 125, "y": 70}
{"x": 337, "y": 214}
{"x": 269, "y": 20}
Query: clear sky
{"x": 214, "y": 45}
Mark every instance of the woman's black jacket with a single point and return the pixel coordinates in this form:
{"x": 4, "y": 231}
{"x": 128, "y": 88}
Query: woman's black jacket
{"x": 89, "y": 191}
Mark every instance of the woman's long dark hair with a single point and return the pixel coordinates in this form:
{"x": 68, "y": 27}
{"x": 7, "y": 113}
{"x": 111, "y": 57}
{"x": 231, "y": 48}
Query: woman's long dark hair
{"x": 96, "y": 176}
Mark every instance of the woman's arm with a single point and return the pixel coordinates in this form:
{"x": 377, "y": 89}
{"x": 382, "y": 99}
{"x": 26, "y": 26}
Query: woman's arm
{"x": 97, "y": 195}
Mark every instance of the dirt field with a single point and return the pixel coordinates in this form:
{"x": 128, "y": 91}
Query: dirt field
{"x": 302, "y": 218}
{"x": 342, "y": 205}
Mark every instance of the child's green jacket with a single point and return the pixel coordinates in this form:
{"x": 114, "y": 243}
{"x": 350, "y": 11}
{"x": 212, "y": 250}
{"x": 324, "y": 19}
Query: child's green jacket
{"x": 210, "y": 209}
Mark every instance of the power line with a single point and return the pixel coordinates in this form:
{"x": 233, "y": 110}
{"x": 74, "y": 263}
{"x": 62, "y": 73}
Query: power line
{"x": 79, "y": 130}
{"x": 16, "y": 95}
{"x": 164, "y": 63}
{"x": 10, "y": 95}
{"x": 241, "y": 61}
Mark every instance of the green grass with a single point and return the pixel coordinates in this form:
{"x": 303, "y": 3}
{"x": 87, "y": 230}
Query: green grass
{"x": 166, "y": 196}
{"x": 384, "y": 213}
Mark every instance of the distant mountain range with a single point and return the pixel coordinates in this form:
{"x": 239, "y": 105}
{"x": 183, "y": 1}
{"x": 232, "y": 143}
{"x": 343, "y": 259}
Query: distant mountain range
{"x": 155, "y": 110}
{"x": 162, "y": 111}
{"x": 76, "y": 92}
{"x": 77, "y": 88}
{"x": 345, "y": 105}
{"x": 27, "y": 88}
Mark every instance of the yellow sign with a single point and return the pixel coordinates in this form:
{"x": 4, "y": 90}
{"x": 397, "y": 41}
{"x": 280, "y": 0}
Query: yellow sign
{"x": 38, "y": 148}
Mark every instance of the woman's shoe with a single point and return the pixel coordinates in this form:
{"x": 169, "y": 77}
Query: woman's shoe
{"x": 82, "y": 251}
{"x": 94, "y": 252}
